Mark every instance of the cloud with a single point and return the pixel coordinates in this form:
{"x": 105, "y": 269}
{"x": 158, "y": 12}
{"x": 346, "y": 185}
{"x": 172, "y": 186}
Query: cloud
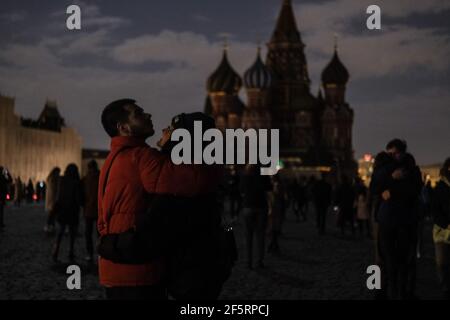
{"x": 182, "y": 48}
{"x": 91, "y": 17}
{"x": 34, "y": 71}
{"x": 13, "y": 17}
{"x": 91, "y": 43}
{"x": 397, "y": 48}
{"x": 37, "y": 71}
{"x": 201, "y": 18}
{"x": 110, "y": 22}
{"x": 338, "y": 13}
{"x": 96, "y": 31}
{"x": 37, "y": 57}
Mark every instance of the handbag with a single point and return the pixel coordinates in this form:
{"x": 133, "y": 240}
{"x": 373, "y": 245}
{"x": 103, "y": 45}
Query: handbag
{"x": 441, "y": 235}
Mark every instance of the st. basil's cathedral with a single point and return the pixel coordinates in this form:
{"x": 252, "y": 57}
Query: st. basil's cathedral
{"x": 315, "y": 131}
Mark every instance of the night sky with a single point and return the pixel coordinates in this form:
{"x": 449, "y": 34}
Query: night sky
{"x": 161, "y": 53}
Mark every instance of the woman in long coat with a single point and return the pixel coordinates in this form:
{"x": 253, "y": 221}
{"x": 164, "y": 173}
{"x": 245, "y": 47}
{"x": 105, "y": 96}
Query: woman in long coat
{"x": 68, "y": 203}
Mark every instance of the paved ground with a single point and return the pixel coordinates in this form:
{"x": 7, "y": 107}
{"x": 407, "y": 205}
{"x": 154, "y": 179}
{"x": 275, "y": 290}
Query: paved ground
{"x": 309, "y": 267}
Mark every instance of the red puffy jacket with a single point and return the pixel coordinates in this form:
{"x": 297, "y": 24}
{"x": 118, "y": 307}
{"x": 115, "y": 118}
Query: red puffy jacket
{"x": 136, "y": 171}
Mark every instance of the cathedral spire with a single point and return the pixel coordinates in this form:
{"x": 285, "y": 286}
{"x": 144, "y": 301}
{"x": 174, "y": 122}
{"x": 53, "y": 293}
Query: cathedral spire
{"x": 225, "y": 44}
{"x": 286, "y": 57}
{"x": 286, "y": 28}
{"x": 335, "y": 42}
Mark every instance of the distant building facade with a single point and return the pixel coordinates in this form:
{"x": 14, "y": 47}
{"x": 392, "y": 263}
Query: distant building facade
{"x": 315, "y": 131}
{"x": 431, "y": 173}
{"x": 365, "y": 168}
{"x": 30, "y": 149}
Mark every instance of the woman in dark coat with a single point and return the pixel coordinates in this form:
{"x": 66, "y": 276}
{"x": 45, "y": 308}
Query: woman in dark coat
{"x": 68, "y": 203}
{"x": 345, "y": 197}
{"x": 5, "y": 181}
{"x": 90, "y": 209}
{"x": 441, "y": 216}
{"x": 186, "y": 231}
{"x": 52, "y": 182}
{"x": 276, "y": 207}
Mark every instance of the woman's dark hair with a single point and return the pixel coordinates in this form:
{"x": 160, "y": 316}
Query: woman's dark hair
{"x": 186, "y": 121}
{"x": 445, "y": 168}
{"x": 409, "y": 160}
{"x": 55, "y": 172}
{"x": 381, "y": 159}
{"x": 72, "y": 172}
{"x": 115, "y": 113}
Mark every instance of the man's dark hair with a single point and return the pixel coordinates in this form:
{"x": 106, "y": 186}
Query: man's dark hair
{"x": 398, "y": 144}
{"x": 113, "y": 114}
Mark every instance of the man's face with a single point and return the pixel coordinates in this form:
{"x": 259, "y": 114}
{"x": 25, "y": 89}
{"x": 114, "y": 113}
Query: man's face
{"x": 395, "y": 153}
{"x": 139, "y": 123}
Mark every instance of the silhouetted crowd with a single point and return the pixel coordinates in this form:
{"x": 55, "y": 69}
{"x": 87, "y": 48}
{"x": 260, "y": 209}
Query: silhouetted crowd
{"x": 64, "y": 197}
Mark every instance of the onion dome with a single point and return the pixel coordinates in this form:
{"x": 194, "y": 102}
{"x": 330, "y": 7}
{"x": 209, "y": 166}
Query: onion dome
{"x": 335, "y": 72}
{"x": 258, "y": 75}
{"x": 224, "y": 79}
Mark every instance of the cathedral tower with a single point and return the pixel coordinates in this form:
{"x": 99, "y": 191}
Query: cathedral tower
{"x": 337, "y": 117}
{"x": 294, "y": 109}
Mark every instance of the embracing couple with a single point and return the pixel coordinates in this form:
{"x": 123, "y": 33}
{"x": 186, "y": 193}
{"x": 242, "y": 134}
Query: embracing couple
{"x": 159, "y": 223}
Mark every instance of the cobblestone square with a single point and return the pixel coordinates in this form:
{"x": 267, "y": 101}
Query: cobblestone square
{"x": 309, "y": 266}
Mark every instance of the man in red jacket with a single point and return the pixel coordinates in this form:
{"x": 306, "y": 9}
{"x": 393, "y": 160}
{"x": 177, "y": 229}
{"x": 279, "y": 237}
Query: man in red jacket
{"x": 131, "y": 171}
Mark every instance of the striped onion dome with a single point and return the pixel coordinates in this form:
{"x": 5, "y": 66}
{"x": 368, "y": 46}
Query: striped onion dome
{"x": 258, "y": 75}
